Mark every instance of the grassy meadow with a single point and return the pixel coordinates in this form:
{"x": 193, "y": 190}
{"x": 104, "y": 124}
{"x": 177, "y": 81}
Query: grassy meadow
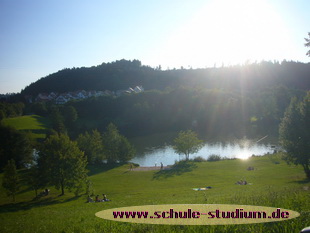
{"x": 35, "y": 124}
{"x": 273, "y": 184}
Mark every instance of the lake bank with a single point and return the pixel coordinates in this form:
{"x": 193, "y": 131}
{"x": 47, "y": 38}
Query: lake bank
{"x": 157, "y": 148}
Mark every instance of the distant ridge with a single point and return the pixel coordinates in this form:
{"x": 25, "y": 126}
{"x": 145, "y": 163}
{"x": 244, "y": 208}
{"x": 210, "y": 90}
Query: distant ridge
{"x": 125, "y": 73}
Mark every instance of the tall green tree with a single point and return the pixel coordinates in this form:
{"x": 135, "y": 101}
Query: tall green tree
{"x": 62, "y": 163}
{"x": 2, "y": 114}
{"x": 111, "y": 141}
{"x": 125, "y": 150}
{"x": 91, "y": 144}
{"x": 187, "y": 143}
{"x": 35, "y": 179}
{"x": 14, "y": 145}
{"x": 70, "y": 116}
{"x": 10, "y": 179}
{"x": 116, "y": 146}
{"x": 57, "y": 120}
{"x": 295, "y": 135}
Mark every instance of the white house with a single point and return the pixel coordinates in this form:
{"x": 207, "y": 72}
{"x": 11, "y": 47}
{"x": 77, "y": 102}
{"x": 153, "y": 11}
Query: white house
{"x": 52, "y": 96}
{"x": 42, "y": 97}
{"x": 138, "y": 89}
{"x": 61, "y": 100}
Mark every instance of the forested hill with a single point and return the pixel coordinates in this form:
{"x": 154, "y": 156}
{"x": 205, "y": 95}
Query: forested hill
{"x": 123, "y": 74}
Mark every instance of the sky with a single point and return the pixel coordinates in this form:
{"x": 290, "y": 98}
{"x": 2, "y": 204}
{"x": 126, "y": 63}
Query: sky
{"x": 38, "y": 37}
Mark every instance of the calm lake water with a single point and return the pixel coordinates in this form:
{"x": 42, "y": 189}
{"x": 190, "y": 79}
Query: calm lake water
{"x": 155, "y": 149}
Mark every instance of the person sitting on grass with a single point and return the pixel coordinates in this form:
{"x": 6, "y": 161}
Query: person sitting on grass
{"x": 242, "y": 182}
{"x": 47, "y": 191}
{"x": 97, "y": 198}
{"x": 89, "y": 199}
{"x": 105, "y": 198}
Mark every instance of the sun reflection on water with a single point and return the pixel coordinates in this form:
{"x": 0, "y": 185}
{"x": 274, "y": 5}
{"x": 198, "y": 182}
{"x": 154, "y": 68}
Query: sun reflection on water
{"x": 244, "y": 154}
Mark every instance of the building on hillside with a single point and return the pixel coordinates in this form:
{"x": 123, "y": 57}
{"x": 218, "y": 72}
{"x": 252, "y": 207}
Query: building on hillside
{"x": 108, "y": 93}
{"x": 138, "y": 89}
{"x": 42, "y": 97}
{"x": 119, "y": 93}
{"x": 52, "y": 96}
{"x": 61, "y": 99}
{"x": 99, "y": 93}
{"x": 82, "y": 94}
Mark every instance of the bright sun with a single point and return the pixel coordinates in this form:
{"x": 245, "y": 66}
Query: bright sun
{"x": 229, "y": 32}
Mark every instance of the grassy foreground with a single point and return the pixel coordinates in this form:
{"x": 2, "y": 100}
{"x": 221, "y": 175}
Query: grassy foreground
{"x": 36, "y": 124}
{"x": 274, "y": 185}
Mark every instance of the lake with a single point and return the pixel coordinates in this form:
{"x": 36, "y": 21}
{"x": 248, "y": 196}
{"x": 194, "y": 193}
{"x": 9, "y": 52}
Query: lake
{"x": 155, "y": 149}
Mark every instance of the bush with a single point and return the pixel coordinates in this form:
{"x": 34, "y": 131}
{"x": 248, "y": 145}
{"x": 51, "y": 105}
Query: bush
{"x": 226, "y": 158}
{"x": 199, "y": 159}
{"x": 213, "y": 158}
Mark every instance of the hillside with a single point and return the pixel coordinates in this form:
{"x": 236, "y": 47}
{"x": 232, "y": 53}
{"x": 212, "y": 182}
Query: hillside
{"x": 123, "y": 74}
{"x": 273, "y": 185}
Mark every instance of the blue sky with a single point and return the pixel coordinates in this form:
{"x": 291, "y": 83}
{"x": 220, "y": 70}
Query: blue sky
{"x": 38, "y": 38}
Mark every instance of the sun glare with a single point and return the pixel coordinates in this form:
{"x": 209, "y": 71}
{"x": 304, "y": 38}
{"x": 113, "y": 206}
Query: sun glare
{"x": 229, "y": 32}
{"x": 244, "y": 155}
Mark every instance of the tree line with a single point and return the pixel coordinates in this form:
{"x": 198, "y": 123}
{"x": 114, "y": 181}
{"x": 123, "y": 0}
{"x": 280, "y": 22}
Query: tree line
{"x": 213, "y": 112}
{"x": 11, "y": 109}
{"x": 60, "y": 161}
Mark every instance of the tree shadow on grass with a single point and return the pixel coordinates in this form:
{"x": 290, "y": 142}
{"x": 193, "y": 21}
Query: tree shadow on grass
{"x": 176, "y": 170}
{"x": 36, "y": 202}
{"x": 72, "y": 198}
{"x": 25, "y": 190}
{"x": 13, "y": 207}
{"x": 304, "y": 181}
{"x": 44, "y": 121}
{"x": 96, "y": 169}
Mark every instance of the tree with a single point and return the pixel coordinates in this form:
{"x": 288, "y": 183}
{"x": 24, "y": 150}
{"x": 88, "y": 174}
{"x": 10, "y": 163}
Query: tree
{"x": 91, "y": 144}
{"x": 14, "y": 145}
{"x": 295, "y": 135}
{"x": 111, "y": 139}
{"x": 116, "y": 146}
{"x": 39, "y": 108}
{"x": 35, "y": 179}
{"x": 126, "y": 150}
{"x": 70, "y": 116}
{"x": 62, "y": 163}
{"x": 57, "y": 120}
{"x": 2, "y": 114}
{"x": 10, "y": 179}
{"x": 308, "y": 44}
{"x": 187, "y": 143}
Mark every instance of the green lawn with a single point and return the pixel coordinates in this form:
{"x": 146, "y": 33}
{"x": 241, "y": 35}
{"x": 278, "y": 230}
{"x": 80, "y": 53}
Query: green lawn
{"x": 36, "y": 124}
{"x": 273, "y": 185}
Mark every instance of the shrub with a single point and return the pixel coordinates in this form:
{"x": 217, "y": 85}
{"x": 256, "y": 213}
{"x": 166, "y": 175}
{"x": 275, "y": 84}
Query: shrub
{"x": 213, "y": 158}
{"x": 199, "y": 159}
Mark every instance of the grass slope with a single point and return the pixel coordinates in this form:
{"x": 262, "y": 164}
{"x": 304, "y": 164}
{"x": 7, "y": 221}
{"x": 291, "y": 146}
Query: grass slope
{"x": 274, "y": 185}
{"x": 36, "y": 124}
